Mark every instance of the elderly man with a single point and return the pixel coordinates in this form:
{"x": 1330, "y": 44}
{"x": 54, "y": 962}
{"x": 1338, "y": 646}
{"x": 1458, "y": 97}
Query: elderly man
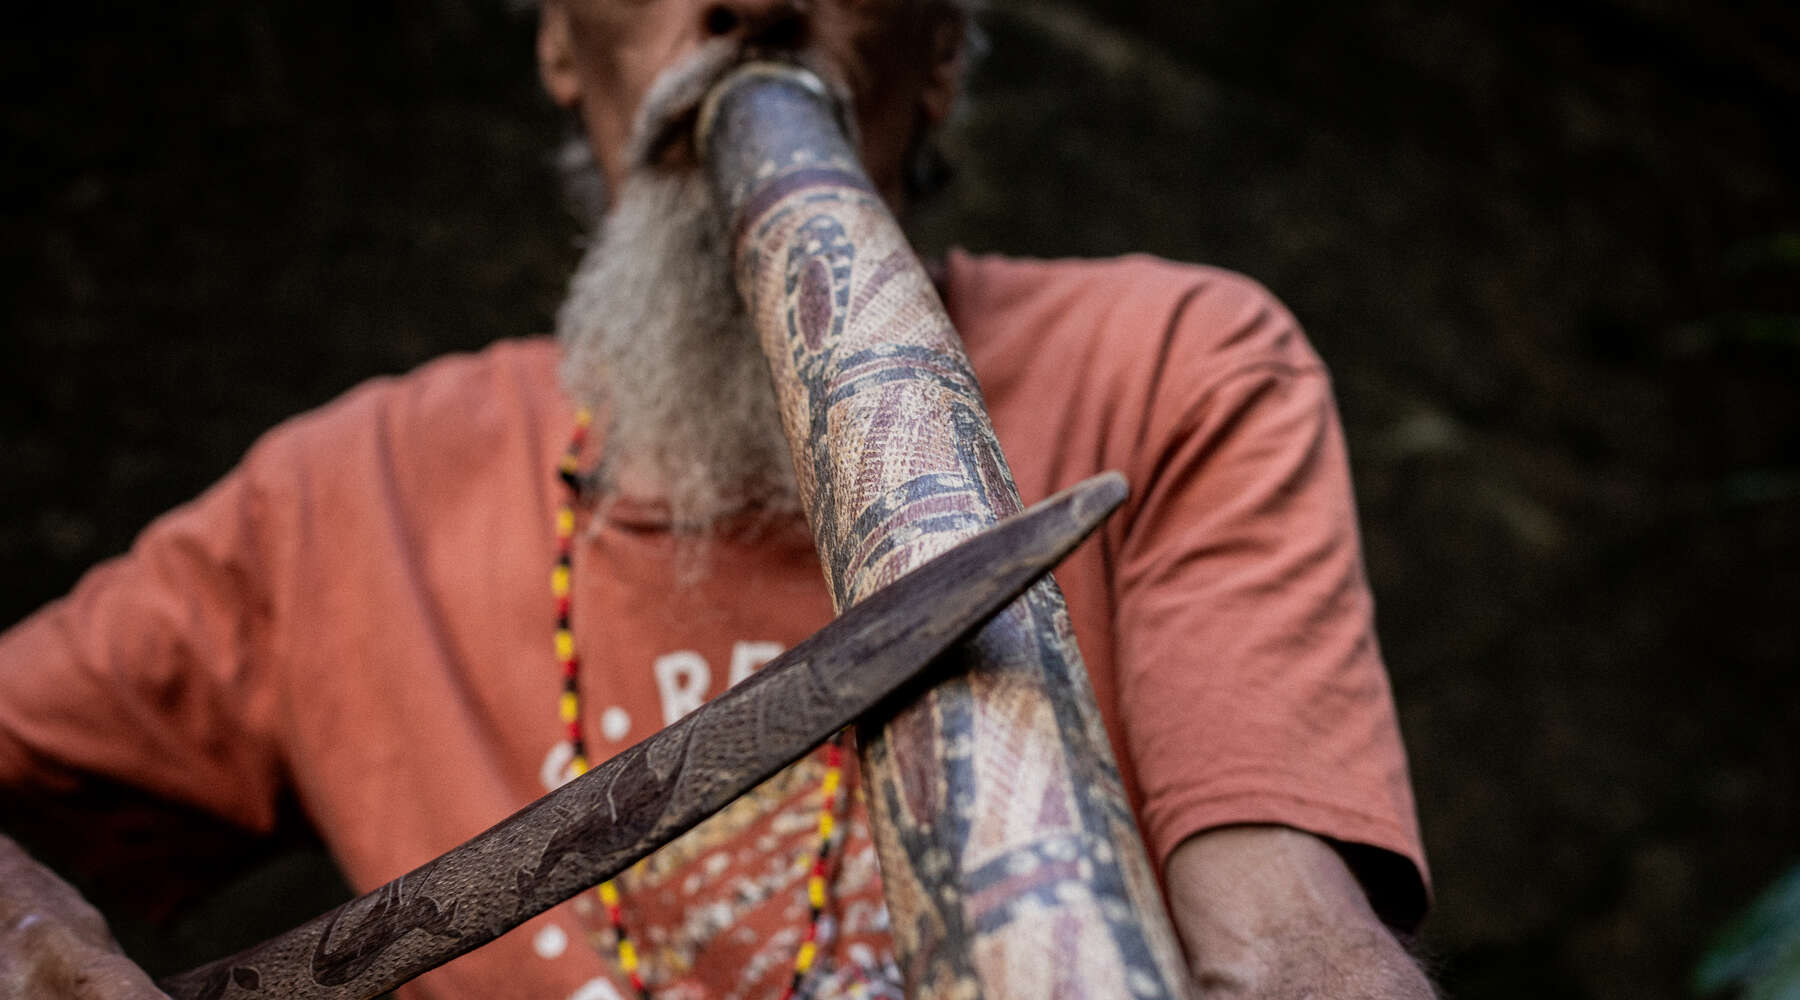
{"x": 358, "y": 615}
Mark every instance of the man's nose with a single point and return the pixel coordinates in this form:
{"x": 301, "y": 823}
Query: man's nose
{"x": 773, "y": 23}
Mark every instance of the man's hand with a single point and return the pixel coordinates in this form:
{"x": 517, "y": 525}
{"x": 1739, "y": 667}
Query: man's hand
{"x": 1270, "y": 912}
{"x": 55, "y": 946}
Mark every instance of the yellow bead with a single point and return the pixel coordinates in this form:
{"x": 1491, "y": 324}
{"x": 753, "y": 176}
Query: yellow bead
{"x": 559, "y": 581}
{"x": 830, "y": 786}
{"x": 628, "y": 956}
{"x": 579, "y": 766}
{"x": 568, "y": 706}
{"x": 583, "y": 417}
{"x": 565, "y": 523}
{"x": 804, "y": 960}
{"x": 565, "y": 644}
{"x": 609, "y": 893}
{"x": 826, "y": 825}
{"x": 815, "y": 892}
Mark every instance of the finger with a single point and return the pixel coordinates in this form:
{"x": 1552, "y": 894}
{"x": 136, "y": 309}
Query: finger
{"x": 111, "y": 976}
{"x": 46, "y": 959}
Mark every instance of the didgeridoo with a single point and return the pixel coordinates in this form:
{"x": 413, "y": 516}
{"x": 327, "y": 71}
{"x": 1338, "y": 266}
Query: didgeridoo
{"x": 1011, "y": 861}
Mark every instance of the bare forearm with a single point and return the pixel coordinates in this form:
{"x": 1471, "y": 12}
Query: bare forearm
{"x": 53, "y": 945}
{"x": 1339, "y": 970}
{"x": 1268, "y": 913}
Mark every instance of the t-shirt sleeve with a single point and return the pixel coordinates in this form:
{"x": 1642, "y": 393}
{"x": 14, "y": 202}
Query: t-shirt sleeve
{"x": 153, "y": 672}
{"x": 1249, "y": 675}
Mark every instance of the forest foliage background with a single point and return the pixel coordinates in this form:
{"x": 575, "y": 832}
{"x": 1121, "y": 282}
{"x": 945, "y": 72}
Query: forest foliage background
{"x": 1550, "y": 251}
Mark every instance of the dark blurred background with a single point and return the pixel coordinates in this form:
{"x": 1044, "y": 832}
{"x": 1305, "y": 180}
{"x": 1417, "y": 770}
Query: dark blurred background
{"x": 1551, "y": 252}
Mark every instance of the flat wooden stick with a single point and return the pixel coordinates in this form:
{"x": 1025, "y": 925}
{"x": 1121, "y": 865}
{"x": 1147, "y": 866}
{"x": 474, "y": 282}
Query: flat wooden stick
{"x": 1011, "y": 861}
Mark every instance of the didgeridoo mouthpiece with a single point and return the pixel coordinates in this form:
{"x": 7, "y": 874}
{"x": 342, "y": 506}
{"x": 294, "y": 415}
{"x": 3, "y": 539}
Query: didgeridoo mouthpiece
{"x": 764, "y": 118}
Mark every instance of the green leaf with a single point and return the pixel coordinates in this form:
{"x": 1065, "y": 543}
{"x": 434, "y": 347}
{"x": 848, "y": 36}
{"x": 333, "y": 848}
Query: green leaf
{"x": 1780, "y": 980}
{"x": 1758, "y": 952}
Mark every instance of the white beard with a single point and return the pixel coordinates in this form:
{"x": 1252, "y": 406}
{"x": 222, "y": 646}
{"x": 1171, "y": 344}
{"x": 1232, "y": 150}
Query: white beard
{"x": 656, "y": 341}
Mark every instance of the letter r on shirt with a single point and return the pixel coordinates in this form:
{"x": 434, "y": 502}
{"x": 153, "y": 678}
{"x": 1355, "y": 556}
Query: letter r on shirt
{"x": 682, "y": 678}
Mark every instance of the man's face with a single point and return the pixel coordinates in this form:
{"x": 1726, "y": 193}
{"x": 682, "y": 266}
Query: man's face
{"x": 654, "y": 334}
{"x": 601, "y": 57}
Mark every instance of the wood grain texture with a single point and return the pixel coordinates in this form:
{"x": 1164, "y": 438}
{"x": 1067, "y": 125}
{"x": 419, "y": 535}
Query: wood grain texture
{"x": 604, "y": 821}
{"x": 1011, "y": 862}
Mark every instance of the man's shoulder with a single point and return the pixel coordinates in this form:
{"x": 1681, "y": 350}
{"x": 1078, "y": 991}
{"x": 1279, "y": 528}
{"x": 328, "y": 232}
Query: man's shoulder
{"x": 455, "y": 391}
{"x": 998, "y": 278}
{"x": 455, "y": 410}
{"x": 1137, "y": 312}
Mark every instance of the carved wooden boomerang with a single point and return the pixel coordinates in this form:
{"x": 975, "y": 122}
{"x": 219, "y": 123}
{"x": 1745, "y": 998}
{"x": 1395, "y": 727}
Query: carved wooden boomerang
{"x": 601, "y": 823}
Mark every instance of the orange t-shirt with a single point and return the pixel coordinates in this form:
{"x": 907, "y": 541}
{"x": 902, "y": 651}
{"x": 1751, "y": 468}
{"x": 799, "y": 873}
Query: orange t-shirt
{"x": 360, "y": 614}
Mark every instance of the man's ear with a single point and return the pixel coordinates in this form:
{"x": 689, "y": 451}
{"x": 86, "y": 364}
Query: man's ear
{"x": 556, "y": 55}
{"x": 944, "y": 79}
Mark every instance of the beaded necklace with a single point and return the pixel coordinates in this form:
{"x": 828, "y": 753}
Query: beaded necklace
{"x": 569, "y": 710}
